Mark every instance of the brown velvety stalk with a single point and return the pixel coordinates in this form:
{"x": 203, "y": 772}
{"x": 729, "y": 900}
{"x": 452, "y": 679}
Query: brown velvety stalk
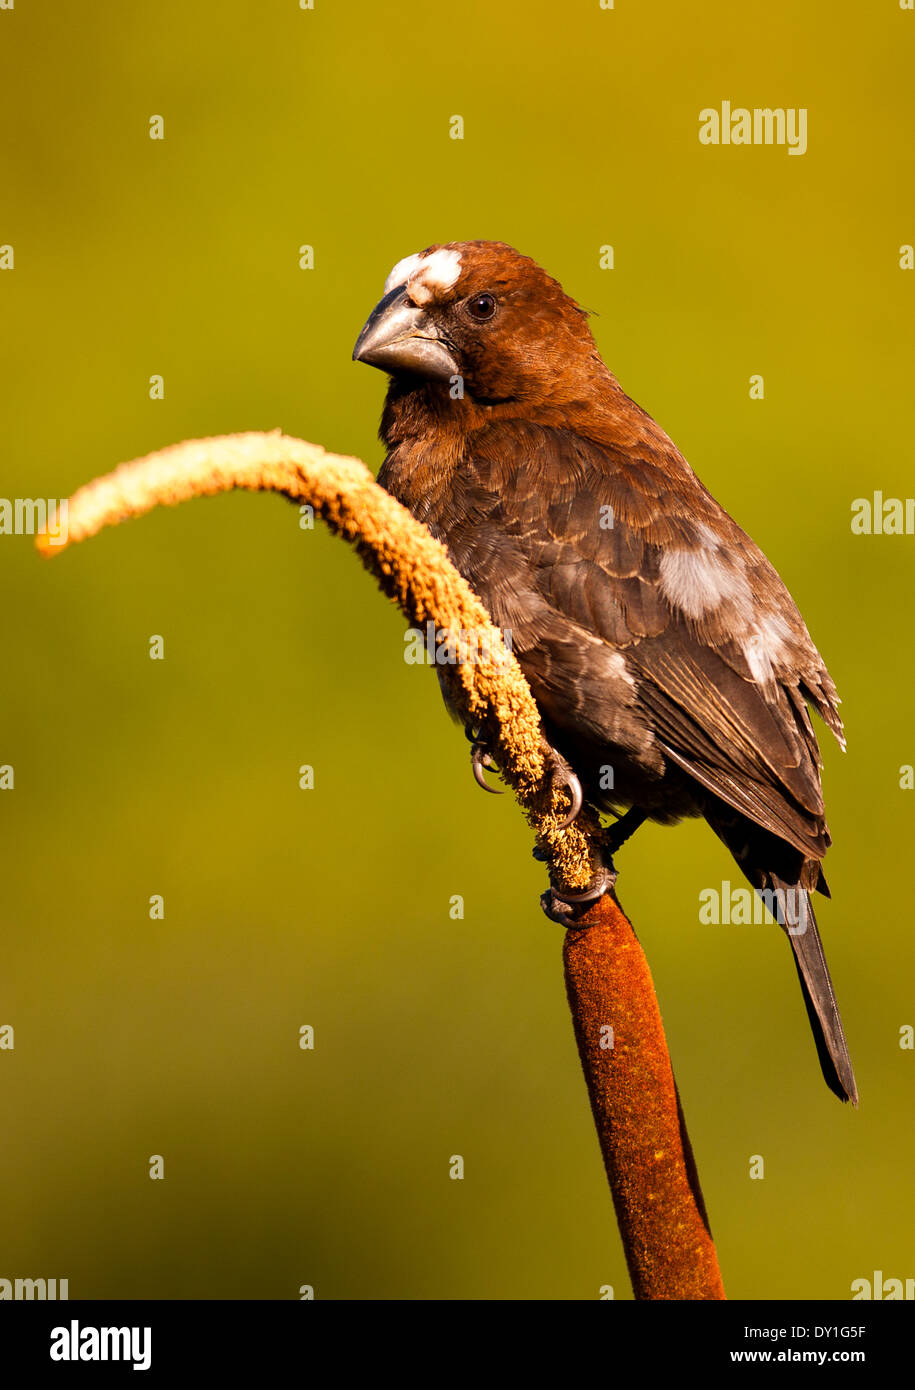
{"x": 632, "y": 1091}
{"x": 642, "y": 1133}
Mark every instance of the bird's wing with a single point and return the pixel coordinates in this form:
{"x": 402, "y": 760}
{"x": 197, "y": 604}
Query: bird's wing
{"x": 576, "y": 546}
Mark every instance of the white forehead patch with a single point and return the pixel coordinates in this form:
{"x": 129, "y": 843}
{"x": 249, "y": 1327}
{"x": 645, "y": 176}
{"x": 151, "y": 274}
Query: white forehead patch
{"x": 440, "y": 270}
{"x": 402, "y": 272}
{"x": 425, "y": 275}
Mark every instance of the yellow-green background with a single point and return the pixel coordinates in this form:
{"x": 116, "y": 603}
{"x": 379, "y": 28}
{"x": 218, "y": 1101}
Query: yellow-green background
{"x": 331, "y": 907}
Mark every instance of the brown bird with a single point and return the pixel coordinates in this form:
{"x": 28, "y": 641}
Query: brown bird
{"x": 672, "y": 670}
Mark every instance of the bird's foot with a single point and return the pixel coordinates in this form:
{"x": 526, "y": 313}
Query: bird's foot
{"x": 480, "y": 759}
{"x": 561, "y": 907}
{"x": 562, "y": 774}
{"x": 564, "y": 777}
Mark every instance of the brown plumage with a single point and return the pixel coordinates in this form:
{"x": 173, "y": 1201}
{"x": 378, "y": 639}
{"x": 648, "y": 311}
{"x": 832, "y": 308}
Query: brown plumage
{"x": 656, "y": 637}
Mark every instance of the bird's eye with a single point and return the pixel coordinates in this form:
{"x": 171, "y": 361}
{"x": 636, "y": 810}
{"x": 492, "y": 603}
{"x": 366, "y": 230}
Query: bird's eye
{"x": 481, "y": 307}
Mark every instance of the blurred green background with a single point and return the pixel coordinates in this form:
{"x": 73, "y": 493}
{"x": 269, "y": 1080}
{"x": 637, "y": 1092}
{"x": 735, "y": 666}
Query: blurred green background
{"x": 330, "y": 907}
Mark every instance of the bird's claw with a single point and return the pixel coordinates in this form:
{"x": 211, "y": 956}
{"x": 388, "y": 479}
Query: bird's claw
{"x": 480, "y": 760}
{"x": 567, "y": 779}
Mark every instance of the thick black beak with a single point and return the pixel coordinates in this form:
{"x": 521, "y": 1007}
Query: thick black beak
{"x": 400, "y": 337}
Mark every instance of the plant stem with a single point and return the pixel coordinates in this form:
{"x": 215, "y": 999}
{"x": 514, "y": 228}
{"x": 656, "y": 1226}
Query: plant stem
{"x": 636, "y": 1108}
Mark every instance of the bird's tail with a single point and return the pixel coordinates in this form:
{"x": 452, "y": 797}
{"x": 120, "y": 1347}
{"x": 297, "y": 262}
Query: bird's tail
{"x": 791, "y": 907}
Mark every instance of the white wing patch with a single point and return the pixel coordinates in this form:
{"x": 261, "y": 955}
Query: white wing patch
{"x": 697, "y": 580}
{"x": 764, "y": 646}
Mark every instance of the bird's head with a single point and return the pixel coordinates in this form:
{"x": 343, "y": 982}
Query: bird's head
{"x": 480, "y": 312}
